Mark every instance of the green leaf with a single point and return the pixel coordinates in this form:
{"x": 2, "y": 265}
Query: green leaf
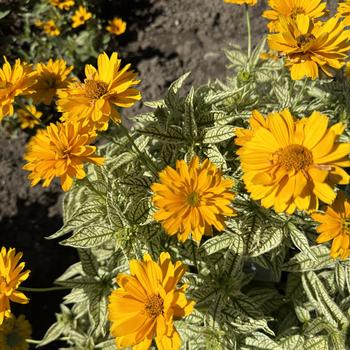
{"x": 137, "y": 211}
{"x": 174, "y": 89}
{"x": 323, "y": 303}
{"x": 261, "y": 341}
{"x": 88, "y": 262}
{"x": 52, "y": 334}
{"x": 114, "y": 214}
{"x": 270, "y": 239}
{"x": 190, "y": 127}
{"x": 83, "y": 216}
{"x": 120, "y": 160}
{"x": 316, "y": 343}
{"x": 302, "y": 262}
{"x": 300, "y": 241}
{"x": 293, "y": 342}
{"x": 89, "y": 237}
{"x": 172, "y": 134}
{"x": 98, "y": 312}
{"x": 217, "y": 134}
{"x": 216, "y": 157}
{"x": 217, "y": 243}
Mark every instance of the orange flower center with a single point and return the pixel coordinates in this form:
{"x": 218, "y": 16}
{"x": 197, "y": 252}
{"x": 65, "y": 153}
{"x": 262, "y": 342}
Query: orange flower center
{"x": 193, "y": 199}
{"x": 154, "y": 305}
{"x": 295, "y": 157}
{"x": 304, "y": 39}
{"x": 346, "y": 225}
{"x": 94, "y": 89}
{"x": 51, "y": 81}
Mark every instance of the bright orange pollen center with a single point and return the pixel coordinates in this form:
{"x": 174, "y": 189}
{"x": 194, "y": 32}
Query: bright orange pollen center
{"x": 94, "y": 89}
{"x": 193, "y": 199}
{"x": 154, "y": 305}
{"x": 295, "y": 157}
{"x": 304, "y": 39}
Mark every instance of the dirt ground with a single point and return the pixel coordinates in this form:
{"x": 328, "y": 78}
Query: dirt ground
{"x": 164, "y": 40}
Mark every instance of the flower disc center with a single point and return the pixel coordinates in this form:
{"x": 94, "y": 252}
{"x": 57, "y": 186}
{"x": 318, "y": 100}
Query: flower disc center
{"x": 193, "y": 199}
{"x": 154, "y": 305}
{"x": 13, "y": 339}
{"x": 295, "y": 157}
{"x": 94, "y": 89}
{"x": 346, "y": 225}
{"x": 304, "y": 39}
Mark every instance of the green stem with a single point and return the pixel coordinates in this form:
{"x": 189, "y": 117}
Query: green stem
{"x": 40, "y": 290}
{"x": 249, "y": 30}
{"x": 23, "y": 106}
{"x": 146, "y": 160}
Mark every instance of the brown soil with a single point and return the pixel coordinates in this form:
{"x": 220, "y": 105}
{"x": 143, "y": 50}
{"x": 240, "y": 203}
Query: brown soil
{"x": 164, "y": 40}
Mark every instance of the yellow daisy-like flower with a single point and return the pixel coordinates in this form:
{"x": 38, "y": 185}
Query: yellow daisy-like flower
{"x": 290, "y": 164}
{"x": 50, "y": 78}
{"x": 14, "y": 81}
{"x": 147, "y": 303}
{"x": 292, "y": 8}
{"x": 309, "y": 47}
{"x": 62, "y": 4}
{"x": 81, "y": 15}
{"x": 14, "y": 332}
{"x": 335, "y": 225}
{"x": 29, "y": 117}
{"x": 116, "y": 26}
{"x": 93, "y": 101}
{"x": 11, "y": 276}
{"x": 49, "y": 27}
{"x": 242, "y": 2}
{"x": 344, "y": 11}
{"x": 60, "y": 151}
{"x": 192, "y": 198}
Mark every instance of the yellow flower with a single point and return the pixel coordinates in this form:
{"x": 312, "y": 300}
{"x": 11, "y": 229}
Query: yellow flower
{"x": 309, "y": 47}
{"x": 60, "y": 151}
{"x": 48, "y": 27}
{"x": 292, "y": 164}
{"x": 335, "y": 225}
{"x": 344, "y": 11}
{"x": 81, "y": 15}
{"x": 14, "y": 81}
{"x": 147, "y": 303}
{"x": 192, "y": 199}
{"x": 93, "y": 101}
{"x": 116, "y": 26}
{"x": 14, "y": 332}
{"x": 62, "y": 4}
{"x": 10, "y": 279}
{"x": 50, "y": 77}
{"x": 29, "y": 117}
{"x": 242, "y": 2}
{"x": 292, "y": 8}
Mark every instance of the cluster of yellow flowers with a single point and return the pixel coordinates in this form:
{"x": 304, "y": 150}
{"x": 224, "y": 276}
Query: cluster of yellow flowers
{"x": 61, "y": 149}
{"x": 309, "y": 46}
{"x": 13, "y": 331}
{"x": 143, "y": 308}
{"x": 80, "y": 16}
